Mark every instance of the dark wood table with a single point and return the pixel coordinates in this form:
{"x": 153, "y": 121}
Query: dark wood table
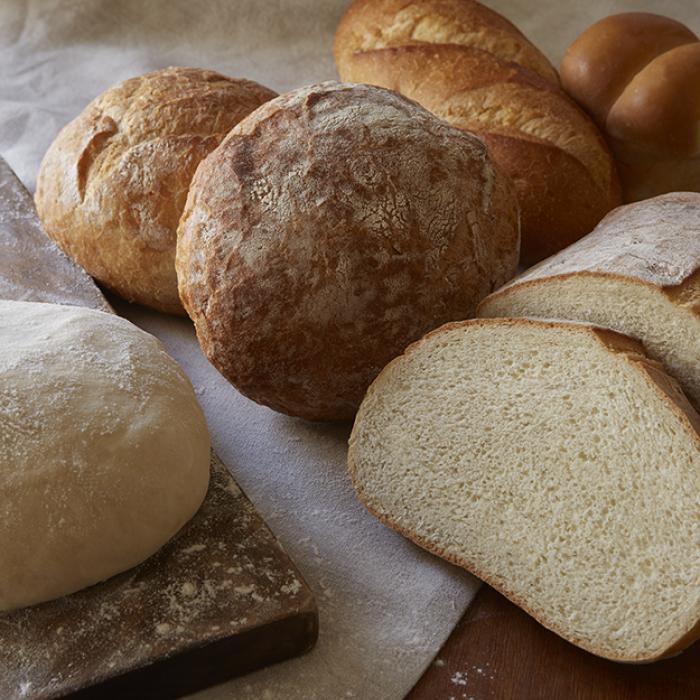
{"x": 498, "y": 651}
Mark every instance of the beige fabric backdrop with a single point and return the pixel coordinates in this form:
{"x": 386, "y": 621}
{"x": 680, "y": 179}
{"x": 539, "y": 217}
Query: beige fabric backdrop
{"x": 386, "y": 607}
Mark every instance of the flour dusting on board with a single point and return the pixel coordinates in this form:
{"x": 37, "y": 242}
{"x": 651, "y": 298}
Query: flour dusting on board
{"x": 186, "y": 595}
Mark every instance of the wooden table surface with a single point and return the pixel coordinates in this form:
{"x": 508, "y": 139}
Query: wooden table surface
{"x": 498, "y": 651}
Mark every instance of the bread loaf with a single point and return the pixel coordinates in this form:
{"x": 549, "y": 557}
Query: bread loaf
{"x": 553, "y": 460}
{"x": 113, "y": 184}
{"x": 638, "y": 272}
{"x": 377, "y": 24}
{"x": 472, "y": 68}
{"x": 332, "y": 227}
{"x": 638, "y": 75}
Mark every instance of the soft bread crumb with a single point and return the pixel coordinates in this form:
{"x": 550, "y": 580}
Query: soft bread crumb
{"x": 554, "y": 467}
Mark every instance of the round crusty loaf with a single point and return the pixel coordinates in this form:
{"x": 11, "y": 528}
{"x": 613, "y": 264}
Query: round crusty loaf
{"x": 647, "y": 100}
{"x": 105, "y": 451}
{"x": 113, "y": 184}
{"x": 472, "y": 68}
{"x": 332, "y": 227}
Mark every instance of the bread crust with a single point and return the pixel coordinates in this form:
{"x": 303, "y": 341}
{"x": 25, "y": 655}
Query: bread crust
{"x": 632, "y": 350}
{"x": 634, "y": 38}
{"x": 560, "y": 199}
{"x": 650, "y": 115}
{"x": 647, "y": 100}
{"x": 112, "y": 186}
{"x": 562, "y": 169}
{"x": 331, "y": 227}
{"x": 655, "y": 243}
{"x": 478, "y": 92}
{"x": 375, "y": 24}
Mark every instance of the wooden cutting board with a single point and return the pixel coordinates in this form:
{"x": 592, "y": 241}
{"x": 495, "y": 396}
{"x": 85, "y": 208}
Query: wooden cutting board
{"x": 220, "y": 599}
{"x": 498, "y": 651}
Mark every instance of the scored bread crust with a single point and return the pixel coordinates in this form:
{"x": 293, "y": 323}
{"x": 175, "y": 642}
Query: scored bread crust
{"x": 563, "y": 171}
{"x": 375, "y": 24}
{"x": 113, "y": 184}
{"x": 666, "y": 388}
{"x": 333, "y": 226}
{"x": 653, "y": 244}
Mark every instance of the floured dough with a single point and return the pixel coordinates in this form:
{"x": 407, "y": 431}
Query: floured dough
{"x": 104, "y": 451}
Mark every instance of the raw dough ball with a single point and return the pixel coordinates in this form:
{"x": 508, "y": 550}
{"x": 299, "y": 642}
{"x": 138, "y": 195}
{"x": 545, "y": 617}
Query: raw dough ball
{"x": 332, "y": 227}
{"x": 113, "y": 184}
{"x": 104, "y": 449}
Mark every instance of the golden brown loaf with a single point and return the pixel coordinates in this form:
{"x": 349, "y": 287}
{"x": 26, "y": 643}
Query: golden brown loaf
{"x": 377, "y": 24}
{"x": 113, "y": 184}
{"x": 638, "y": 74}
{"x": 332, "y": 227}
{"x": 472, "y": 68}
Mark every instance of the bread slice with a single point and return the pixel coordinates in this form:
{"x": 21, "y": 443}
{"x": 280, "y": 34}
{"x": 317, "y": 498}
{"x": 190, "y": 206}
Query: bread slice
{"x": 638, "y": 272}
{"x": 555, "y": 461}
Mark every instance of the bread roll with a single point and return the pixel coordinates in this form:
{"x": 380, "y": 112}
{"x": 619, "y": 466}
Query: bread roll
{"x": 333, "y": 226}
{"x": 113, "y": 184}
{"x": 472, "y": 68}
{"x": 638, "y": 75}
{"x": 105, "y": 451}
{"x": 553, "y": 460}
{"x": 638, "y": 272}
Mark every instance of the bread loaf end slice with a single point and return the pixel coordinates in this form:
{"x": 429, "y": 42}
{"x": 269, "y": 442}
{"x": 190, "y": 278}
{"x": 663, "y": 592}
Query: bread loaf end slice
{"x": 638, "y": 272}
{"x": 555, "y": 461}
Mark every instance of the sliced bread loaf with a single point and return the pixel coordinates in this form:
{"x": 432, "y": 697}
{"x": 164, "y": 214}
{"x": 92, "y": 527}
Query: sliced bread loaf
{"x": 555, "y": 461}
{"x": 638, "y": 272}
